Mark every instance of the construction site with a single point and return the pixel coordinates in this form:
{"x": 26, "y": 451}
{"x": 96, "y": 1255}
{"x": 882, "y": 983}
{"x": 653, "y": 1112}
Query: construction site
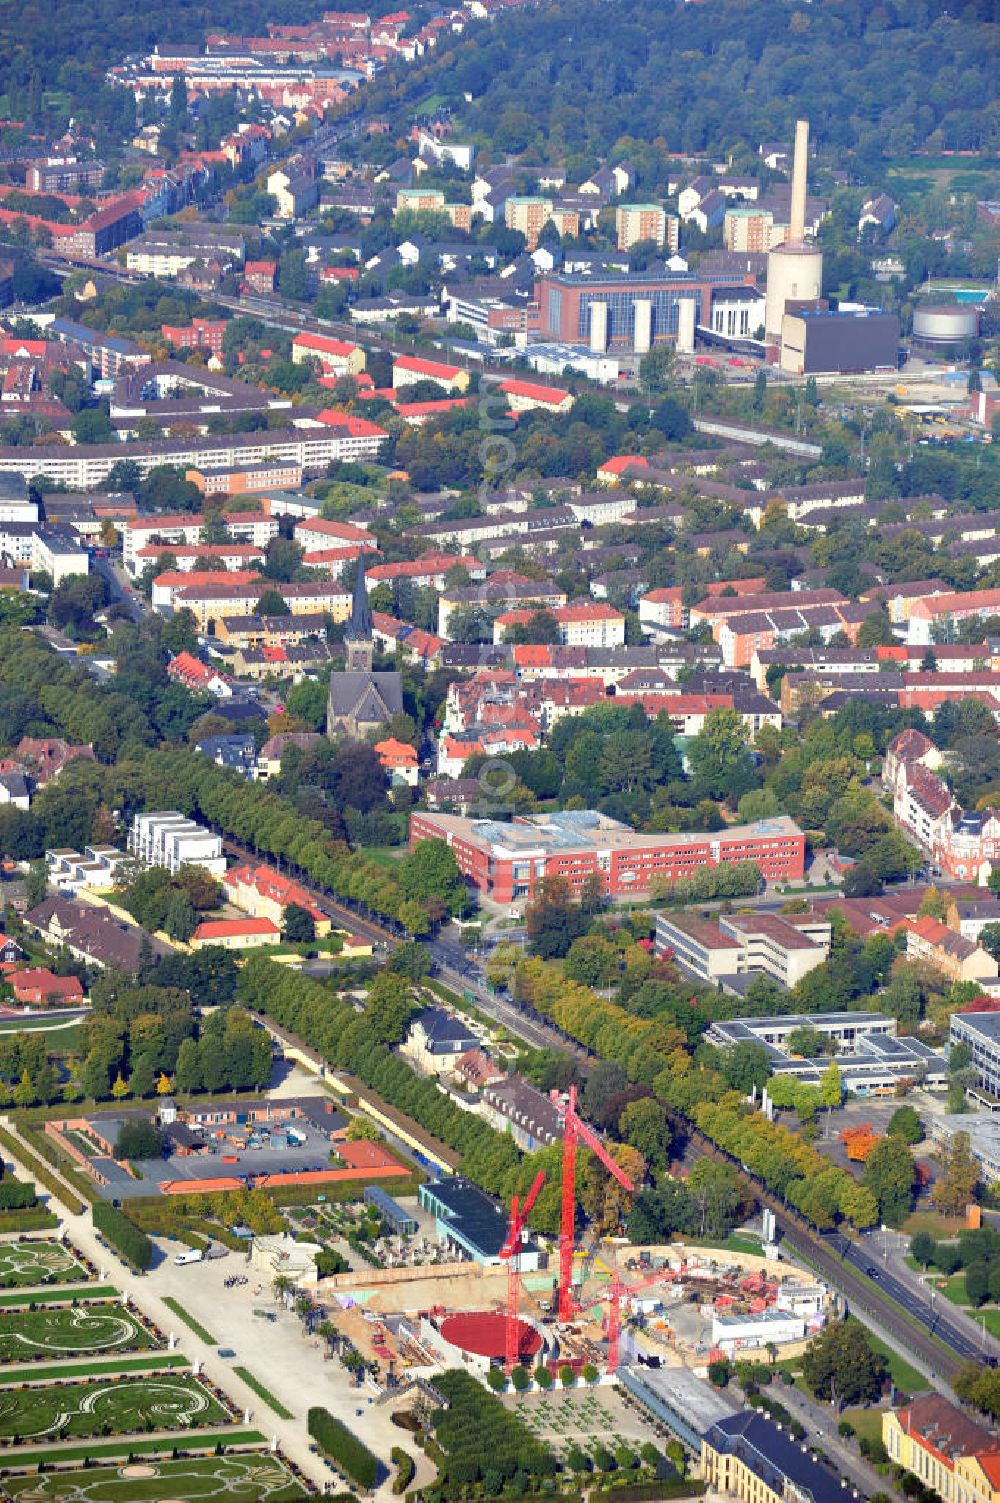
{"x": 501, "y": 1297}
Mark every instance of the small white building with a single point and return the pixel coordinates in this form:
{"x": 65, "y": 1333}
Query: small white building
{"x": 168, "y": 838}
{"x": 741, "y": 1333}
{"x": 460, "y": 154}
{"x": 97, "y": 869}
{"x": 56, "y": 554}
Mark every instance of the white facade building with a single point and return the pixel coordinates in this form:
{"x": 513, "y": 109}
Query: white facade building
{"x": 169, "y": 839}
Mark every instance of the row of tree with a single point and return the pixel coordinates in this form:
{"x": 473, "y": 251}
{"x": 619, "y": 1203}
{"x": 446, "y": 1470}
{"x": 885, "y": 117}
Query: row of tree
{"x": 654, "y": 1053}
{"x": 123, "y": 1234}
{"x": 349, "y": 1454}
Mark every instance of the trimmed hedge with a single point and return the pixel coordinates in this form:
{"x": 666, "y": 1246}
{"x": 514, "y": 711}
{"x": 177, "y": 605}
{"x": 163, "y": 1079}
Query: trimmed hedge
{"x": 343, "y": 1447}
{"x": 39, "y": 1172}
{"x": 14, "y": 1196}
{"x": 123, "y": 1234}
{"x": 405, "y": 1469}
{"x": 37, "y": 1219}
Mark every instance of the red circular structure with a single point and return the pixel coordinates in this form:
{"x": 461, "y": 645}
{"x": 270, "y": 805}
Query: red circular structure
{"x": 484, "y": 1333}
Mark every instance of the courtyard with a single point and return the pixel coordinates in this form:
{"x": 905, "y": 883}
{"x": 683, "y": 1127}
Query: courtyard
{"x": 585, "y": 1418}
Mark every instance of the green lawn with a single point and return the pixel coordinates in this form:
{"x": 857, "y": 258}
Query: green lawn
{"x": 903, "y": 1375}
{"x": 953, "y": 1288}
{"x": 37, "y": 1374}
{"x": 262, "y": 1392}
{"x": 41, "y": 1262}
{"x": 27, "y": 1024}
{"x": 128, "y": 1445}
{"x": 218, "y": 1479}
{"x": 189, "y": 1320}
{"x": 85, "y": 1329}
{"x": 946, "y": 1227}
{"x": 112, "y": 1406}
{"x": 866, "y": 1422}
{"x": 58, "y": 1296}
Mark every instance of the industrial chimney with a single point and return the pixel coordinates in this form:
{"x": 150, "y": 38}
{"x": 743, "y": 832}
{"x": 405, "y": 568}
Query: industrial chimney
{"x": 795, "y": 268}
{"x": 800, "y": 171}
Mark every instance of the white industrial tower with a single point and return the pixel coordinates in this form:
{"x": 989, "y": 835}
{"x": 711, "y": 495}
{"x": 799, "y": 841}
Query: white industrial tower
{"x": 794, "y": 269}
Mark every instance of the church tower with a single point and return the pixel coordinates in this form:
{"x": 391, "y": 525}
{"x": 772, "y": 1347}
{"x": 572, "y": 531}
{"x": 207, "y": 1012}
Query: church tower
{"x": 359, "y": 630}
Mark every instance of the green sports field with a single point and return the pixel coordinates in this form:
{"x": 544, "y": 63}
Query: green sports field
{"x": 26, "y": 1264}
{"x": 256, "y": 1478}
{"x": 110, "y": 1407}
{"x": 69, "y": 1331}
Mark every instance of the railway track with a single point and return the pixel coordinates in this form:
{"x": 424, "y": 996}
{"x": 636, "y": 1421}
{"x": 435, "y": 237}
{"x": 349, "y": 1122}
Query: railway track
{"x": 940, "y": 1343}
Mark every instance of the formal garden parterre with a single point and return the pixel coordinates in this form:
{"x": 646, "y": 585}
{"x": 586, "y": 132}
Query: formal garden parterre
{"x": 247, "y": 1478}
{"x": 113, "y": 1406}
{"x": 86, "y": 1329}
{"x": 30, "y": 1263}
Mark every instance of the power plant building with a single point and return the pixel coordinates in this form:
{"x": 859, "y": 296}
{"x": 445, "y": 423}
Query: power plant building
{"x": 577, "y": 309}
{"x": 817, "y": 340}
{"x": 794, "y": 269}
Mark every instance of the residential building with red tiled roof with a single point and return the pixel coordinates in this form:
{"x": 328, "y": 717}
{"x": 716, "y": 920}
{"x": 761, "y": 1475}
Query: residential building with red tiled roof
{"x": 265, "y": 893}
{"x": 236, "y": 934}
{"x": 48, "y": 756}
{"x": 663, "y": 607}
{"x": 956, "y": 957}
{"x": 167, "y": 585}
{"x": 40, "y": 987}
{"x": 412, "y": 641}
{"x": 454, "y": 751}
{"x": 948, "y": 610}
{"x": 952, "y": 1454}
{"x": 526, "y": 396}
{"x": 399, "y": 760}
{"x": 260, "y": 276}
{"x": 591, "y": 624}
{"x": 353, "y": 428}
{"x": 319, "y": 532}
{"x": 419, "y": 413}
{"x": 185, "y": 668}
{"x": 407, "y": 370}
{"x": 429, "y": 569}
{"x": 338, "y": 357}
{"x": 612, "y": 470}
{"x": 477, "y": 1070}
{"x": 188, "y": 556}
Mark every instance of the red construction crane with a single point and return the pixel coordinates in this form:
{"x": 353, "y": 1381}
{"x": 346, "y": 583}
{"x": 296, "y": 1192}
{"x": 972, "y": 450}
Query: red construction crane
{"x": 575, "y": 1128}
{"x": 511, "y": 1253}
{"x": 614, "y": 1298}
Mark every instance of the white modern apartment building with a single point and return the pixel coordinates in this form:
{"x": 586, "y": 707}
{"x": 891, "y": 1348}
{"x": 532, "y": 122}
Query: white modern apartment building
{"x": 168, "y": 838}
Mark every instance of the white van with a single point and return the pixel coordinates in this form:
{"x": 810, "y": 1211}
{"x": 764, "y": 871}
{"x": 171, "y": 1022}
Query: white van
{"x": 193, "y": 1255}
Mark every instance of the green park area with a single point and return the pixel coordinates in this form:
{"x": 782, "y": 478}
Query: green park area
{"x": 256, "y": 1478}
{"x": 157, "y": 1362}
{"x": 84, "y": 1329}
{"x": 28, "y": 1264}
{"x": 117, "y": 1406}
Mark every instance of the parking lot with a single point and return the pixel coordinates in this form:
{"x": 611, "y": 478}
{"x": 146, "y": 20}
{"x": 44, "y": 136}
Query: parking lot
{"x": 220, "y": 1157}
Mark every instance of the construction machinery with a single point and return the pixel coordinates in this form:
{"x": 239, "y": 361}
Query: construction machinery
{"x": 574, "y": 1128}
{"x": 511, "y": 1254}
